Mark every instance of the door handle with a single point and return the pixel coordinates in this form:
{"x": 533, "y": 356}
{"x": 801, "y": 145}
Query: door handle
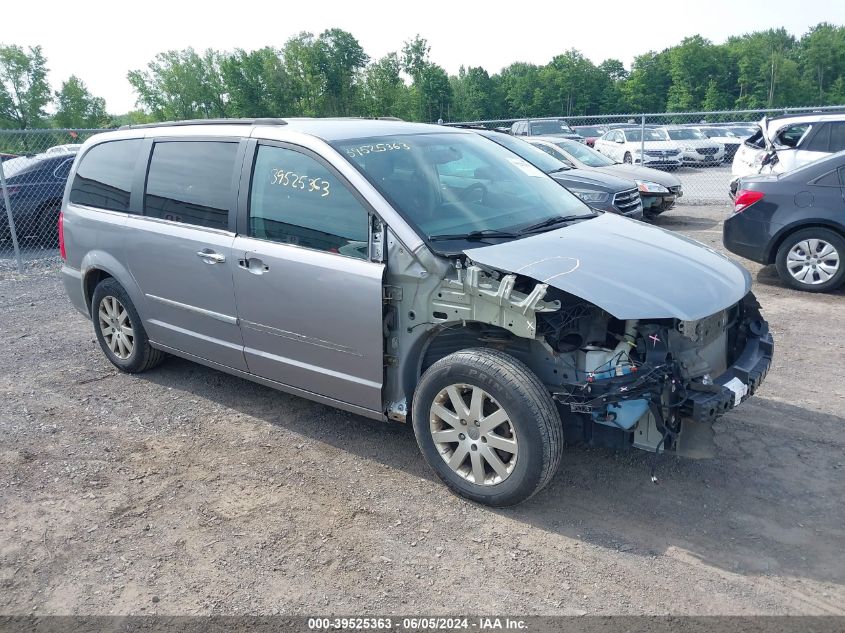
{"x": 210, "y": 257}
{"x": 253, "y": 265}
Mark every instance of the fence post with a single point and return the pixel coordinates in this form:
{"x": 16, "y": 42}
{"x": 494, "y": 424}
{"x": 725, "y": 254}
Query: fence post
{"x": 642, "y": 142}
{"x": 11, "y": 219}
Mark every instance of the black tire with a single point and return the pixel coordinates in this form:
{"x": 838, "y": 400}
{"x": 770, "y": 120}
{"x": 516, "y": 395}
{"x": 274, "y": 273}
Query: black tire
{"x": 628, "y": 159}
{"x": 531, "y": 412}
{"x": 48, "y": 225}
{"x": 813, "y": 233}
{"x": 143, "y": 356}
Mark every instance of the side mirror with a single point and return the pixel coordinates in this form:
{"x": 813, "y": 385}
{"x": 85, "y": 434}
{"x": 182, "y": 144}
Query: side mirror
{"x": 620, "y": 141}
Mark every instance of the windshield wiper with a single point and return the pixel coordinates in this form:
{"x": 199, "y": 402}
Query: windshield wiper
{"x": 558, "y": 170}
{"x": 554, "y": 221}
{"x": 473, "y": 235}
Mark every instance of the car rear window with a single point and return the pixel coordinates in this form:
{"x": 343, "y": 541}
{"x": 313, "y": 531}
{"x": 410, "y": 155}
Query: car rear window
{"x": 104, "y": 177}
{"x": 191, "y": 182}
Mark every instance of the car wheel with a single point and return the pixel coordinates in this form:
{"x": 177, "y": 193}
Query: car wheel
{"x": 627, "y": 159}
{"x": 48, "y": 225}
{"x": 487, "y": 426}
{"x": 119, "y": 329}
{"x": 812, "y": 260}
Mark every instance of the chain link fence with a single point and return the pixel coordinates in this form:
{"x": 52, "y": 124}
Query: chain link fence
{"x": 697, "y": 148}
{"x": 34, "y": 168}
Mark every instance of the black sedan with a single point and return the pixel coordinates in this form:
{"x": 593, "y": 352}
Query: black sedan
{"x": 35, "y": 186}
{"x": 600, "y": 191}
{"x": 795, "y": 220}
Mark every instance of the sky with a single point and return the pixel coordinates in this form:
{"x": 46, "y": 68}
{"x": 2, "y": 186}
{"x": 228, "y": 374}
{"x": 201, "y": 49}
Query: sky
{"x": 100, "y": 41}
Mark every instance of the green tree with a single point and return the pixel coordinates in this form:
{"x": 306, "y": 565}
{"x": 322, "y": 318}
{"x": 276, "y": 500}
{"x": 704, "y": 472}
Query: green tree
{"x": 257, "y": 84}
{"x": 181, "y": 85}
{"x": 473, "y": 93}
{"x": 340, "y": 59}
{"x": 78, "y": 108}
{"x": 383, "y": 88}
{"x": 24, "y": 91}
{"x": 822, "y": 53}
{"x": 647, "y": 86}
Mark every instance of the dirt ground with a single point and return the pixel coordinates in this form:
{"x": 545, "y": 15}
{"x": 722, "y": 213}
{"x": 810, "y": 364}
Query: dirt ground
{"x": 186, "y": 491}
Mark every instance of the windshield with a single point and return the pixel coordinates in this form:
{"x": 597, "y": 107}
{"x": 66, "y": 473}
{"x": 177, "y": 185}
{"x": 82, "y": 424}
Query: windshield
{"x": 459, "y": 183}
{"x": 650, "y": 135}
{"x": 713, "y": 132}
{"x": 743, "y": 132}
{"x": 584, "y": 154}
{"x": 541, "y": 128}
{"x": 588, "y": 131}
{"x": 18, "y": 165}
{"x": 526, "y": 150}
{"x": 686, "y": 135}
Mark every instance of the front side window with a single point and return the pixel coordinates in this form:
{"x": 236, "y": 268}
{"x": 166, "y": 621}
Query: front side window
{"x": 104, "y": 176}
{"x": 191, "y": 182}
{"x": 837, "y": 136}
{"x": 295, "y": 199}
{"x": 456, "y": 184}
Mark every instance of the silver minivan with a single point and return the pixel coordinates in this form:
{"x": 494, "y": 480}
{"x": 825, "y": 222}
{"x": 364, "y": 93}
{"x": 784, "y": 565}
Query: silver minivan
{"x": 413, "y": 273}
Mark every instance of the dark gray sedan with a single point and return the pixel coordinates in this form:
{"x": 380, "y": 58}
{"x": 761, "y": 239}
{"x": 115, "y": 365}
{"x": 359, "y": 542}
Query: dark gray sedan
{"x": 659, "y": 190}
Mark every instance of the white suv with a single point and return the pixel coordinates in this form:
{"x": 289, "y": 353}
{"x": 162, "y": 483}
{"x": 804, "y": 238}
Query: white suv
{"x": 786, "y": 142}
{"x": 626, "y": 145}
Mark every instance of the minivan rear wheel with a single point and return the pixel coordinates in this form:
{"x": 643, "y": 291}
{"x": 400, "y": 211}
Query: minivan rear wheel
{"x": 487, "y": 426}
{"x": 119, "y": 329}
{"x": 812, "y": 259}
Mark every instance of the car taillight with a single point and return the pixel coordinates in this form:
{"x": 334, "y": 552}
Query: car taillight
{"x": 745, "y": 198}
{"x": 62, "y": 236}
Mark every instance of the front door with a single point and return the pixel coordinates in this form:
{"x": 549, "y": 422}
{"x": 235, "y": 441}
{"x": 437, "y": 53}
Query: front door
{"x": 309, "y": 298}
{"x": 180, "y": 252}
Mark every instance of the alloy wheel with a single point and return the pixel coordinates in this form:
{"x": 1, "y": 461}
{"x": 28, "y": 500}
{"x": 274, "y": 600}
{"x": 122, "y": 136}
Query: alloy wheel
{"x": 116, "y": 327}
{"x": 812, "y": 261}
{"x": 473, "y": 434}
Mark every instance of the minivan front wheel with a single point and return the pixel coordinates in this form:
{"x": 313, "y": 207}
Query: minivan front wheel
{"x": 812, "y": 259}
{"x": 119, "y": 329}
{"x": 487, "y": 426}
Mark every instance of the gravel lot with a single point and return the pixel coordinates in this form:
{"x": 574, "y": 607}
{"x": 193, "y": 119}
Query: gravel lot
{"x": 186, "y": 491}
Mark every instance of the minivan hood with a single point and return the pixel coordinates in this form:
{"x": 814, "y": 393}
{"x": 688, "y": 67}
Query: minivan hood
{"x": 634, "y": 172}
{"x": 588, "y": 177}
{"x": 629, "y": 269}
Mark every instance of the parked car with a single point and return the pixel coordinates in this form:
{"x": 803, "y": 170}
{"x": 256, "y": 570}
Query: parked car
{"x": 796, "y": 221}
{"x": 35, "y": 185}
{"x": 625, "y": 145}
{"x": 786, "y": 142}
{"x": 552, "y": 127}
{"x": 408, "y": 272}
{"x": 723, "y": 136}
{"x": 658, "y": 189}
{"x": 696, "y": 147}
{"x": 605, "y": 192}
{"x": 590, "y": 132}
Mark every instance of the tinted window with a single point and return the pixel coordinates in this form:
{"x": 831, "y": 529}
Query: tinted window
{"x": 837, "y": 136}
{"x": 61, "y": 172}
{"x": 191, "y": 182}
{"x": 297, "y": 200}
{"x": 820, "y": 141}
{"x": 104, "y": 177}
{"x": 830, "y": 179}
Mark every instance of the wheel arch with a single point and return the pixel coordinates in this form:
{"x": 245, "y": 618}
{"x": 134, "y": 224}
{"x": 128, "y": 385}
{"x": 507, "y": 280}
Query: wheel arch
{"x": 790, "y": 229}
{"x": 99, "y": 265}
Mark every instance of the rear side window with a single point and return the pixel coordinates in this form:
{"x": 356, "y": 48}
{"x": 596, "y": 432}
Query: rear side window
{"x": 792, "y": 135}
{"x": 837, "y": 136}
{"x": 191, "y": 182}
{"x": 297, "y": 200}
{"x": 104, "y": 176}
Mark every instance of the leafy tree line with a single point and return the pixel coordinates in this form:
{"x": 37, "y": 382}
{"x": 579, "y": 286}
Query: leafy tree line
{"x": 332, "y": 75}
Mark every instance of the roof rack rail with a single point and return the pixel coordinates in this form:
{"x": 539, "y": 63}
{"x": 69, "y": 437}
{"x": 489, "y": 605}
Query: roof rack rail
{"x": 258, "y": 121}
